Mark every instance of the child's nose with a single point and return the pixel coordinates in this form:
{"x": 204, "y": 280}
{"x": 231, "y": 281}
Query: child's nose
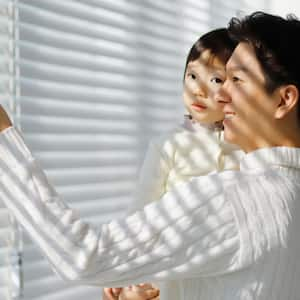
{"x": 200, "y": 89}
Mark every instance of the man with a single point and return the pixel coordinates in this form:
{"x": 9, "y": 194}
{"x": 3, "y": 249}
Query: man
{"x": 232, "y": 235}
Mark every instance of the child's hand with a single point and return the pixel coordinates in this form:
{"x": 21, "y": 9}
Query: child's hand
{"x": 139, "y": 292}
{"x": 4, "y": 119}
{"x": 111, "y": 293}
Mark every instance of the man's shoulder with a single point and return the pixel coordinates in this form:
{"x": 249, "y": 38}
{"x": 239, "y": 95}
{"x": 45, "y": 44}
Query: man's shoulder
{"x": 238, "y": 181}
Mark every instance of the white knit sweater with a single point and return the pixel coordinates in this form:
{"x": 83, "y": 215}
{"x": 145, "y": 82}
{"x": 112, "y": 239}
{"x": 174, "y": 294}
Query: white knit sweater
{"x": 232, "y": 235}
{"x": 189, "y": 150}
{"x": 186, "y": 151}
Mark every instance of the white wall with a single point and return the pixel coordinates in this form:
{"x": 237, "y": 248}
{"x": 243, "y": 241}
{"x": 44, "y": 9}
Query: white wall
{"x": 283, "y": 8}
{"x": 279, "y": 7}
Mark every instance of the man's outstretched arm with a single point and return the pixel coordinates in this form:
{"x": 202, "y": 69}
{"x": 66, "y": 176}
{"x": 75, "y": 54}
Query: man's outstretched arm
{"x": 191, "y": 231}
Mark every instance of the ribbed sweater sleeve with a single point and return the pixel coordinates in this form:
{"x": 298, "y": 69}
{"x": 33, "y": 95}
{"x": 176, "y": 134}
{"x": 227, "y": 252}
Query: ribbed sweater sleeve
{"x": 191, "y": 232}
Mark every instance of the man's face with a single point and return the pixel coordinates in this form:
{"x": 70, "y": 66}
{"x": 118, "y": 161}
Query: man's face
{"x": 249, "y": 108}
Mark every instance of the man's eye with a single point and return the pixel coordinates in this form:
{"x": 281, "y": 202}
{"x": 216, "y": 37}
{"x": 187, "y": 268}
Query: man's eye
{"x": 217, "y": 80}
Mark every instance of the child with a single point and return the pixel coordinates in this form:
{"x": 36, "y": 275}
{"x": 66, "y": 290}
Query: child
{"x": 197, "y": 147}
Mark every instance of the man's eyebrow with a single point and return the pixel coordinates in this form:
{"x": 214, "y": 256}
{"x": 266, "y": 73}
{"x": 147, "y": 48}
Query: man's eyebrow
{"x": 237, "y": 68}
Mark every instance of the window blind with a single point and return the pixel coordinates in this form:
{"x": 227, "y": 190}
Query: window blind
{"x": 10, "y": 238}
{"x": 98, "y": 79}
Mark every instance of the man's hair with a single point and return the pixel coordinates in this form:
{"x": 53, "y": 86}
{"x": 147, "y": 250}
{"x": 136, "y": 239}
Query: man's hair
{"x": 217, "y": 42}
{"x": 276, "y": 42}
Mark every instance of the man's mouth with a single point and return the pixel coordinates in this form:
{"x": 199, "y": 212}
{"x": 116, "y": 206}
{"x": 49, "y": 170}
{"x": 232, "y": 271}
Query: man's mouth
{"x": 229, "y": 115}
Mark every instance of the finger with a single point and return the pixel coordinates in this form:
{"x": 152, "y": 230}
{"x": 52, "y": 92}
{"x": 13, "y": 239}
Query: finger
{"x": 116, "y": 291}
{"x": 107, "y": 294}
{"x": 141, "y": 287}
{"x": 145, "y": 286}
{"x": 151, "y": 293}
{"x": 136, "y": 288}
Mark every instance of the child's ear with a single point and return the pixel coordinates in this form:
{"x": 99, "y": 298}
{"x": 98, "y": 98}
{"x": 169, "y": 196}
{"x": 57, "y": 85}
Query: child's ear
{"x": 288, "y": 95}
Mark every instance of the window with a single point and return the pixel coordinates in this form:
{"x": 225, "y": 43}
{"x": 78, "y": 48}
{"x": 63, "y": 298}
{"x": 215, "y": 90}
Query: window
{"x": 97, "y": 80}
{"x": 10, "y": 235}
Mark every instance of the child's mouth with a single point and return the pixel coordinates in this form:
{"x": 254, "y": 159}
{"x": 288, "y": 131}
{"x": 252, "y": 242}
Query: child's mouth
{"x": 199, "y": 107}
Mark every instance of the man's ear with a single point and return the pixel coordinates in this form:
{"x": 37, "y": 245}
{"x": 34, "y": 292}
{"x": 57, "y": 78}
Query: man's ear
{"x": 289, "y": 96}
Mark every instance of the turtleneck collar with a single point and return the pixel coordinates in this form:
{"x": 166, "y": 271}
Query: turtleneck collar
{"x": 287, "y": 157}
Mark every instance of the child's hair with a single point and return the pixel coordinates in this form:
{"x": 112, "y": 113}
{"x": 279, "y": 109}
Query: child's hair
{"x": 217, "y": 41}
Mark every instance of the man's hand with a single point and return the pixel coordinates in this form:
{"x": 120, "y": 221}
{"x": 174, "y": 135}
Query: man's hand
{"x": 4, "y": 119}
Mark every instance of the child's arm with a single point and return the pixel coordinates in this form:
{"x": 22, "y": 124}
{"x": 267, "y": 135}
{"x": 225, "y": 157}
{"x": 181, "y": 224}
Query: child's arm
{"x": 152, "y": 178}
{"x": 150, "y": 187}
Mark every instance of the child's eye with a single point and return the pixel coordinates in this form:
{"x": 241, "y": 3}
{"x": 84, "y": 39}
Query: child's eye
{"x": 217, "y": 80}
{"x": 235, "y": 79}
{"x": 192, "y": 76}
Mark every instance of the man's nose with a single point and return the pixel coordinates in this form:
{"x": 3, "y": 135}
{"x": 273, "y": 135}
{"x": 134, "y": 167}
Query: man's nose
{"x": 222, "y": 95}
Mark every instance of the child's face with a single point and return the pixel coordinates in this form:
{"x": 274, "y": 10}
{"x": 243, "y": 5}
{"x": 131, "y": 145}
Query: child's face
{"x": 203, "y": 78}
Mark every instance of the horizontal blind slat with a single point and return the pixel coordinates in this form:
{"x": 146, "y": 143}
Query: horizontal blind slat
{"x": 69, "y": 41}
